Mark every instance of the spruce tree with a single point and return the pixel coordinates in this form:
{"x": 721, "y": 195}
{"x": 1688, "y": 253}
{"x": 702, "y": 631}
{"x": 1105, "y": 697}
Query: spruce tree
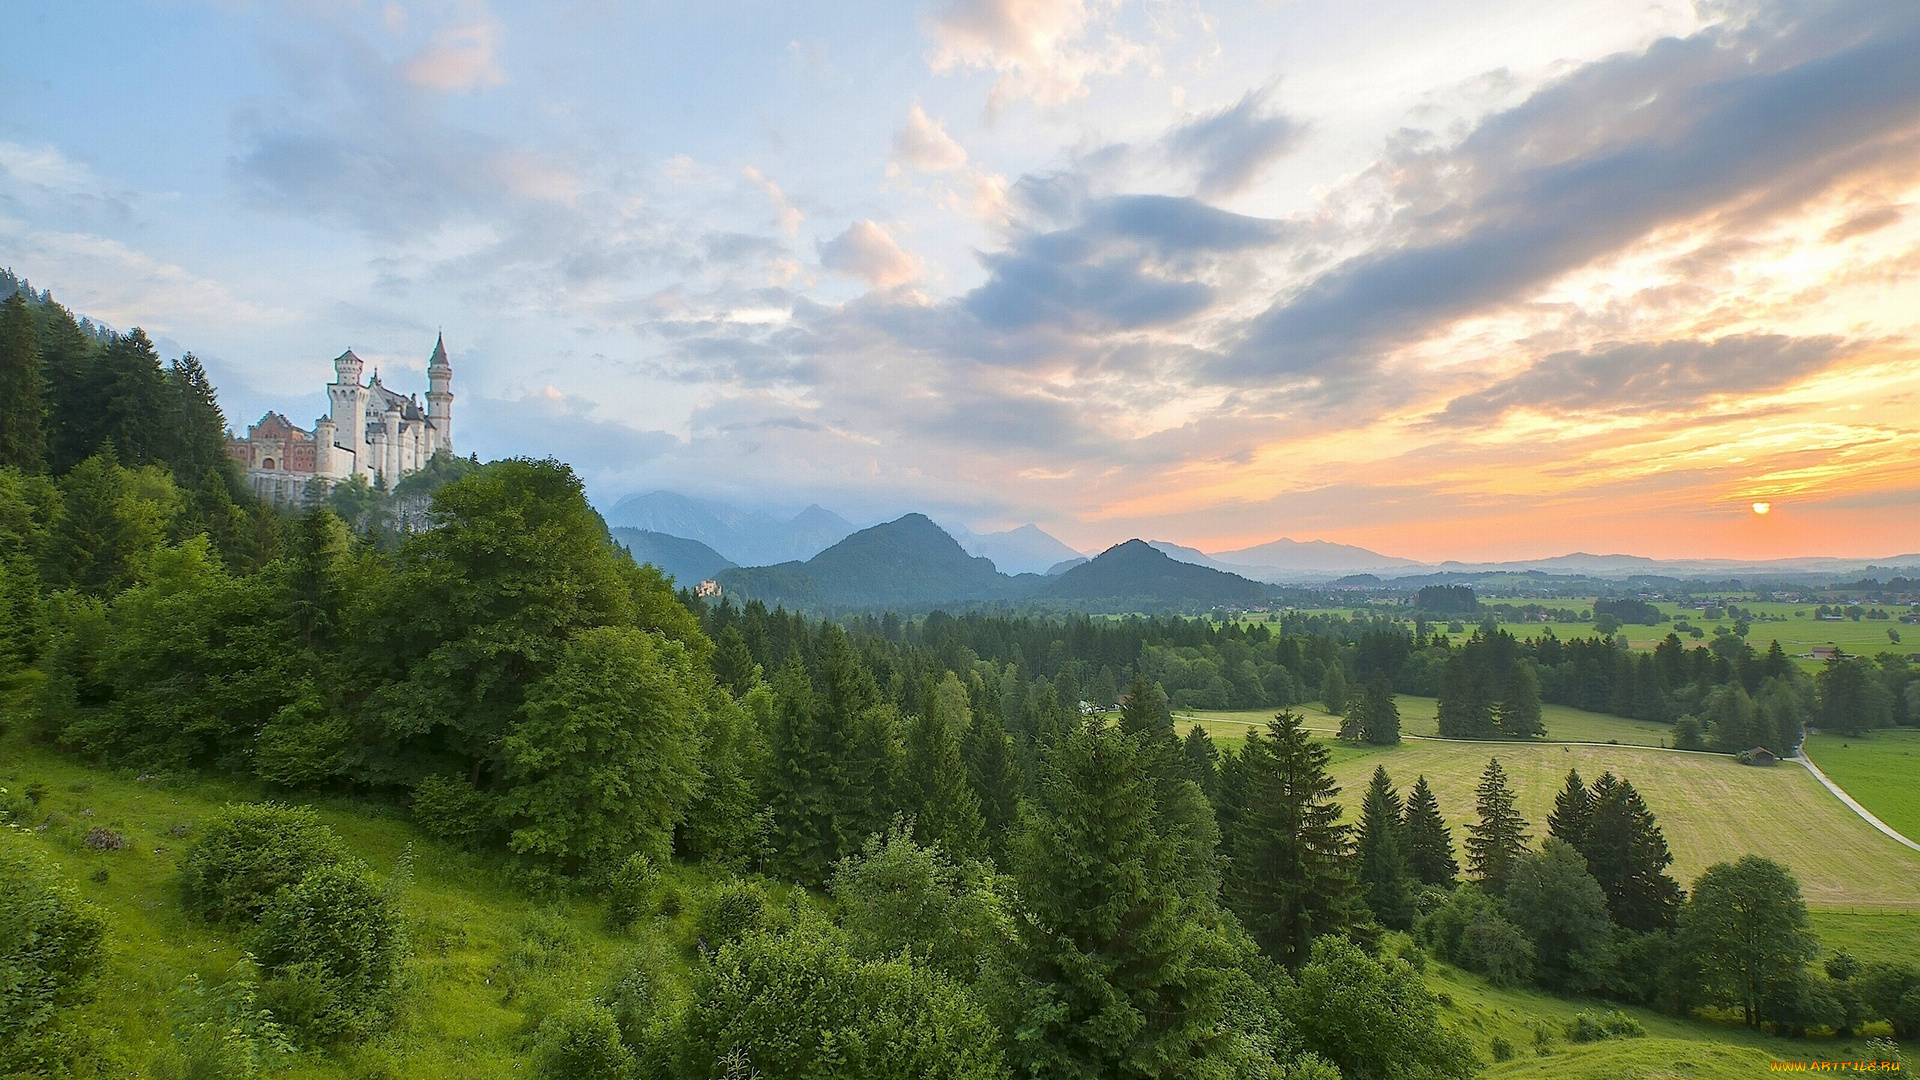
{"x": 1382, "y": 845}
{"x": 1146, "y": 709}
{"x": 1429, "y": 839}
{"x": 1519, "y": 709}
{"x": 1500, "y": 836}
{"x": 198, "y": 441}
{"x": 1289, "y": 881}
{"x": 995, "y": 775}
{"x": 134, "y": 400}
{"x": 1627, "y": 854}
{"x": 1572, "y": 811}
{"x": 802, "y": 780}
{"x": 946, "y": 811}
{"x": 1382, "y": 715}
{"x": 1333, "y": 688}
{"x": 1108, "y": 946}
{"x": 1353, "y": 726}
{"x": 23, "y": 439}
{"x": 1202, "y": 760}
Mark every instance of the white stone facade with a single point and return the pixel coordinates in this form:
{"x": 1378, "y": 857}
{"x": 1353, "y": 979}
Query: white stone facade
{"x": 369, "y": 431}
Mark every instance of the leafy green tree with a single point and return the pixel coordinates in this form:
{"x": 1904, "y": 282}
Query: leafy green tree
{"x": 1289, "y": 880}
{"x": 898, "y": 897}
{"x": 1733, "y": 721}
{"x": 1500, "y": 836}
{"x": 1109, "y": 983}
{"x": 1381, "y": 844}
{"x": 1468, "y": 929}
{"x": 1518, "y": 712}
{"x": 946, "y": 811}
{"x": 1333, "y": 689}
{"x": 1627, "y": 854}
{"x": 1374, "y": 1020}
{"x": 802, "y": 1005}
{"x": 1891, "y": 991}
{"x": 23, "y": 437}
{"x": 581, "y": 1041}
{"x": 1744, "y": 931}
{"x": 1572, "y": 811}
{"x": 604, "y": 759}
{"x": 1557, "y": 904}
{"x": 52, "y": 944}
{"x": 1429, "y": 839}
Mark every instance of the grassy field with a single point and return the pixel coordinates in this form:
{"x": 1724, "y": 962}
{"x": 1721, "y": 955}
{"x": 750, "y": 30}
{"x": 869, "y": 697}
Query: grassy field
{"x": 1882, "y": 771}
{"x": 1711, "y": 807}
{"x": 465, "y": 1011}
{"x": 1420, "y": 716}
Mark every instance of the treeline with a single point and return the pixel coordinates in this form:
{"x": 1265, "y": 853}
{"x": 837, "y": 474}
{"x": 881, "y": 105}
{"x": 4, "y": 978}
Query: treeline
{"x": 1726, "y": 695}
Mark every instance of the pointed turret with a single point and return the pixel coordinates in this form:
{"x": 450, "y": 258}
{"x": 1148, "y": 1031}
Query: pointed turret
{"x": 440, "y": 397}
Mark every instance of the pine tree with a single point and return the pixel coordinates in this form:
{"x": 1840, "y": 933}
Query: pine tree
{"x": 1500, "y": 836}
{"x": 134, "y": 399}
{"x": 1333, "y": 688}
{"x": 1466, "y": 706}
{"x": 1382, "y": 846}
{"x": 1572, "y": 811}
{"x": 1145, "y": 709}
{"x": 1289, "y": 881}
{"x": 1108, "y": 942}
{"x": 1353, "y": 726}
{"x": 1627, "y": 854}
{"x": 23, "y": 438}
{"x": 866, "y": 732}
{"x": 946, "y": 812}
{"x": 1429, "y": 839}
{"x": 802, "y": 778}
{"x": 73, "y": 398}
{"x": 995, "y": 775}
{"x": 1519, "y": 710}
{"x": 1383, "y": 716}
{"x": 199, "y": 436}
{"x": 1202, "y": 760}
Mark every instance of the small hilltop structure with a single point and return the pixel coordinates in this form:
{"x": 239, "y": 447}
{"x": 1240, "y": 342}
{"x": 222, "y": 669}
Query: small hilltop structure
{"x": 369, "y": 431}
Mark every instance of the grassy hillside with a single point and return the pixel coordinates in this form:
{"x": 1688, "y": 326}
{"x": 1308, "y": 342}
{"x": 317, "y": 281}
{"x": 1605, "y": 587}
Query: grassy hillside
{"x": 1881, "y": 770}
{"x": 486, "y": 958}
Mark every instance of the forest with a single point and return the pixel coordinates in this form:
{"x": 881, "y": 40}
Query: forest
{"x": 1006, "y": 859}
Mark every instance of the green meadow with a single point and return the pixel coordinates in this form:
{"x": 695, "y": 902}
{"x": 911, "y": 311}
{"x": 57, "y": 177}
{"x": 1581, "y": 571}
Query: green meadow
{"x": 1881, "y": 770}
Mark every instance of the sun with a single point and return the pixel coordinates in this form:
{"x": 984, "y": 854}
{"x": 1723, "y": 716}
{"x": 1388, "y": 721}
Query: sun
{"x": 1763, "y": 508}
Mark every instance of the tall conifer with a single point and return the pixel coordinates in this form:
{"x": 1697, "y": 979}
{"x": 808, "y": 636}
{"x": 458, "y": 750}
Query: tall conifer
{"x": 1289, "y": 881}
{"x": 801, "y": 780}
{"x": 1382, "y": 847}
{"x": 1627, "y": 854}
{"x": 1108, "y": 942}
{"x": 23, "y": 440}
{"x": 1382, "y": 715}
{"x": 1572, "y": 811}
{"x": 1429, "y": 839}
{"x": 1500, "y": 836}
{"x": 946, "y": 811}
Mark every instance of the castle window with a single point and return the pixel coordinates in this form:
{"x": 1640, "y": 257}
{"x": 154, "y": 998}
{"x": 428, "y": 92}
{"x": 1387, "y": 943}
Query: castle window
{"x": 267, "y": 464}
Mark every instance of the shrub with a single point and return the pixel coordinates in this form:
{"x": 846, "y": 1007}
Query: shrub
{"x": 1687, "y": 734}
{"x": 451, "y": 809}
{"x": 1585, "y": 1027}
{"x": 630, "y": 890}
{"x": 50, "y": 948}
{"x": 248, "y": 852}
{"x": 731, "y": 913}
{"x": 332, "y": 947}
{"x": 1373, "y": 1019}
{"x": 581, "y": 1042}
{"x": 1502, "y": 1049}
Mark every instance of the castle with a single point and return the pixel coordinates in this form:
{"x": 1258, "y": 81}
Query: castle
{"x": 369, "y": 431}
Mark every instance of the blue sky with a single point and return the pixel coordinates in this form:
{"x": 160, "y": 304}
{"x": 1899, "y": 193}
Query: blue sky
{"x": 1446, "y": 279}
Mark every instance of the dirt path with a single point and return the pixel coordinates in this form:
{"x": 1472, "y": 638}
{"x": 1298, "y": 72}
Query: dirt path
{"x": 1865, "y": 814}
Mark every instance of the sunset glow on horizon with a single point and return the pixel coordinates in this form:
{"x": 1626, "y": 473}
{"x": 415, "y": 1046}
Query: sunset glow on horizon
{"x": 1214, "y": 273}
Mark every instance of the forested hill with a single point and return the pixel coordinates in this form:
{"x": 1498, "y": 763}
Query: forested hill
{"x": 686, "y": 561}
{"x": 907, "y": 563}
{"x": 1138, "y": 577}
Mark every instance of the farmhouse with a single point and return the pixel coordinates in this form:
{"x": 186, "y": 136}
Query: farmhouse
{"x": 1825, "y": 652}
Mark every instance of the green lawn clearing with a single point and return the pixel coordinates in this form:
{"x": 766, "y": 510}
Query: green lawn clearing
{"x": 1881, "y": 770}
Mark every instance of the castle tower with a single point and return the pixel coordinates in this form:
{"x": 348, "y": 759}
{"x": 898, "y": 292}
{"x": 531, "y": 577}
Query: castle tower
{"x": 391, "y": 467}
{"x": 348, "y": 401}
{"x": 440, "y": 397}
{"x": 323, "y": 453}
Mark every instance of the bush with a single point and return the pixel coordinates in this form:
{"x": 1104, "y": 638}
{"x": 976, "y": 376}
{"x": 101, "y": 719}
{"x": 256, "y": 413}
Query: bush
{"x": 581, "y": 1042}
{"x": 630, "y": 890}
{"x": 1373, "y": 1019}
{"x": 50, "y": 948}
{"x": 452, "y": 810}
{"x": 1585, "y": 1027}
{"x": 1502, "y": 1049}
{"x": 331, "y": 945}
{"x": 248, "y": 852}
{"x": 1688, "y": 735}
{"x": 735, "y": 910}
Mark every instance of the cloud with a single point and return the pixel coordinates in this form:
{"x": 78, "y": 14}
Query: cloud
{"x": 1033, "y": 45}
{"x": 1756, "y": 116}
{"x": 1650, "y": 377}
{"x": 458, "y": 58}
{"x": 790, "y": 218}
{"x": 550, "y": 423}
{"x": 1227, "y": 150}
{"x": 868, "y": 252}
{"x": 925, "y": 145}
{"x": 110, "y": 281}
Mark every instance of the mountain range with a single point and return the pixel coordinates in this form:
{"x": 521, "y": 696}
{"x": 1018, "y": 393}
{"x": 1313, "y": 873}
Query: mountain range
{"x": 688, "y": 562}
{"x": 743, "y": 537}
